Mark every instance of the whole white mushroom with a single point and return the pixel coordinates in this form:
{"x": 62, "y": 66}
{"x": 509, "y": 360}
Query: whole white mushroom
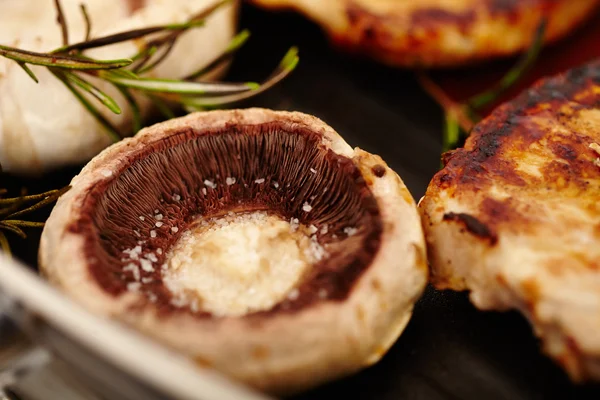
{"x": 42, "y": 125}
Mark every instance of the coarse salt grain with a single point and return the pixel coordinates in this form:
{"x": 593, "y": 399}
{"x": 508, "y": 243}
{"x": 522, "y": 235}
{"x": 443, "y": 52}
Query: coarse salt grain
{"x": 156, "y": 211}
{"x": 350, "y": 231}
{"x": 229, "y": 181}
{"x": 153, "y": 233}
{"x": 210, "y": 184}
{"x": 174, "y": 229}
{"x": 306, "y": 207}
{"x": 324, "y": 229}
{"x": 312, "y": 229}
{"x": 147, "y": 280}
{"x": 259, "y": 181}
{"x": 204, "y": 191}
{"x": 142, "y": 218}
{"x": 133, "y": 286}
{"x": 176, "y": 197}
{"x": 107, "y": 173}
{"x": 158, "y": 224}
{"x": 151, "y": 257}
{"x": 314, "y": 171}
{"x": 275, "y": 185}
{"x": 158, "y": 217}
{"x": 146, "y": 265}
{"x": 159, "y": 250}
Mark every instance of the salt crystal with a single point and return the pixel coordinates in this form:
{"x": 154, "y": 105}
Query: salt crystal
{"x": 204, "y": 191}
{"x": 176, "y": 197}
{"x": 174, "y": 229}
{"x": 275, "y": 185}
{"x": 210, "y": 184}
{"x": 156, "y": 211}
{"x": 350, "y": 231}
{"x": 312, "y": 229}
{"x": 158, "y": 217}
{"x": 151, "y": 257}
{"x": 133, "y": 286}
{"x": 324, "y": 229}
{"x": 314, "y": 171}
{"x": 146, "y": 265}
{"x": 153, "y": 233}
{"x": 158, "y": 224}
{"x": 306, "y": 207}
{"x": 147, "y": 280}
{"x": 107, "y": 173}
{"x": 229, "y": 181}
{"x": 159, "y": 250}
{"x": 142, "y": 218}
{"x": 259, "y": 181}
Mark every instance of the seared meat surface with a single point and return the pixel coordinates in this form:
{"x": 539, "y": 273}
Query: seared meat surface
{"x": 435, "y": 33}
{"x": 514, "y": 216}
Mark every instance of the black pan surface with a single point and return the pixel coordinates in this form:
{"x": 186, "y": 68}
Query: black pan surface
{"x": 449, "y": 350}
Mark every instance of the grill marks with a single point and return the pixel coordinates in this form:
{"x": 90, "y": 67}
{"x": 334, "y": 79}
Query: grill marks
{"x": 534, "y": 147}
{"x": 185, "y": 175}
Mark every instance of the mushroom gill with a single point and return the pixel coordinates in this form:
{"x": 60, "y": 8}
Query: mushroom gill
{"x": 175, "y": 184}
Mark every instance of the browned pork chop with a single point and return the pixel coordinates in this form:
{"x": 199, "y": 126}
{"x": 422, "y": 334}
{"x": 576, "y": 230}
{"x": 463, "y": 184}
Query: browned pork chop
{"x": 435, "y": 33}
{"x": 514, "y": 216}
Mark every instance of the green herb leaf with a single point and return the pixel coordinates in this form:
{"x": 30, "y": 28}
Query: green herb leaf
{"x": 136, "y": 116}
{"x": 515, "y": 74}
{"x": 236, "y": 43}
{"x": 286, "y": 66}
{"x": 180, "y": 87}
{"x": 109, "y": 127}
{"x": 60, "y": 61}
{"x": 28, "y": 71}
{"x": 105, "y": 99}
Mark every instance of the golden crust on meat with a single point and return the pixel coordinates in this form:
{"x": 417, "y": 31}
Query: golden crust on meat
{"x": 434, "y": 33}
{"x": 514, "y": 216}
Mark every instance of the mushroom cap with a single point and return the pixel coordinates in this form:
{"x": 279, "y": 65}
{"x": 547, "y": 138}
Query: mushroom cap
{"x": 294, "y": 345}
{"x": 435, "y": 33}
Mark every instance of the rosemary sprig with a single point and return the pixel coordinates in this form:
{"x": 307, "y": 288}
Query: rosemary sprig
{"x": 69, "y": 64}
{"x": 459, "y": 118}
{"x": 13, "y": 209}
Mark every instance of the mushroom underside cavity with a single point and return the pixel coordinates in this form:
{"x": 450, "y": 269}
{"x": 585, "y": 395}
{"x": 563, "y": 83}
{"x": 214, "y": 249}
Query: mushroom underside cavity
{"x": 245, "y": 219}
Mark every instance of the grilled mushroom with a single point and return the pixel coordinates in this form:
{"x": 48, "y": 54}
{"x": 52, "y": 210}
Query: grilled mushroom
{"x": 256, "y": 242}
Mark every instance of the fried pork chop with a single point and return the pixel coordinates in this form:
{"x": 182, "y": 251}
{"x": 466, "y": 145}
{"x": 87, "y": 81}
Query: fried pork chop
{"x": 433, "y": 33}
{"x": 514, "y": 216}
